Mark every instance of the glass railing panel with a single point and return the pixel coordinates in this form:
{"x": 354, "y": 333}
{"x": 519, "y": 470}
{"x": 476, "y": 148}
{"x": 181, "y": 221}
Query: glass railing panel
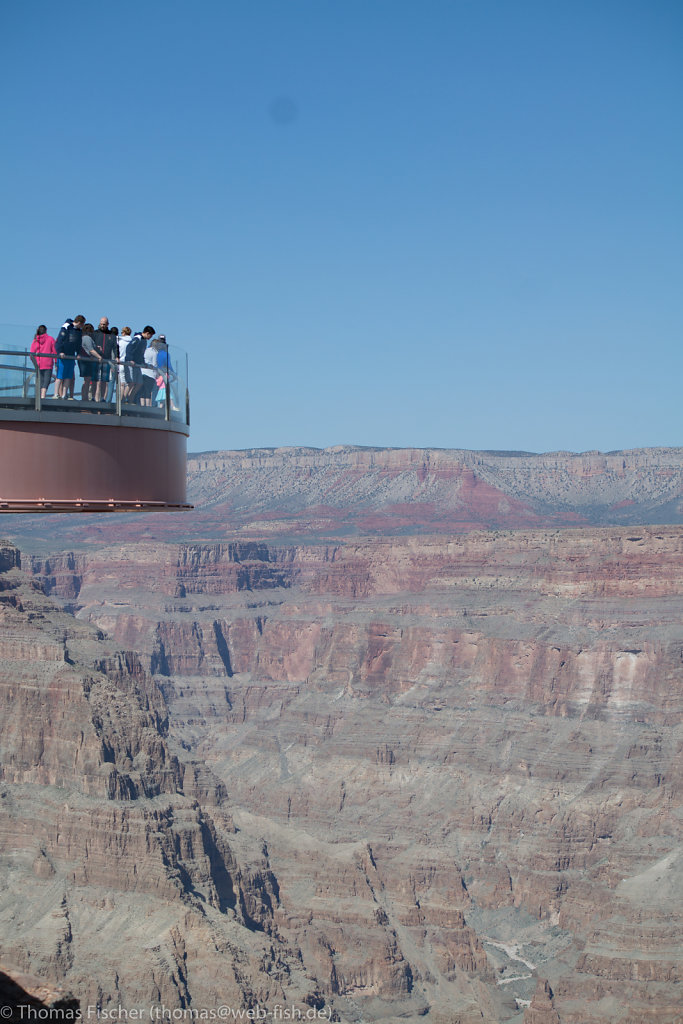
{"x": 178, "y": 384}
{"x": 17, "y": 374}
{"x": 169, "y": 393}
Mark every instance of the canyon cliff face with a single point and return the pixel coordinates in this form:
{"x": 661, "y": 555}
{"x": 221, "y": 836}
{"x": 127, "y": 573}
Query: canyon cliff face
{"x": 124, "y": 876}
{"x": 398, "y": 778}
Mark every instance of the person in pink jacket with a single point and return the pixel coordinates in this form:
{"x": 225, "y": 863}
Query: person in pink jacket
{"x": 43, "y": 353}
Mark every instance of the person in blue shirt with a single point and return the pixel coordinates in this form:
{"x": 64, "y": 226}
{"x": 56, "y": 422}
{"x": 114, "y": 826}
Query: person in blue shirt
{"x": 163, "y": 358}
{"x": 166, "y": 373}
{"x": 68, "y": 346}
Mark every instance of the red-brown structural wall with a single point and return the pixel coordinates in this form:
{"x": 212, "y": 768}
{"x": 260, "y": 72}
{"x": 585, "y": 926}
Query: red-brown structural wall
{"x": 74, "y": 461}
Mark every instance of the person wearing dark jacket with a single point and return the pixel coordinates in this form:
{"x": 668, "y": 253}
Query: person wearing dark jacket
{"x": 135, "y": 359}
{"x": 67, "y": 346}
{"x": 115, "y": 369}
{"x": 104, "y": 341}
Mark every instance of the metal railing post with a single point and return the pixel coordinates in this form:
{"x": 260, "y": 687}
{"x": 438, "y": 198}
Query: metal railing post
{"x": 118, "y": 391}
{"x": 187, "y": 392}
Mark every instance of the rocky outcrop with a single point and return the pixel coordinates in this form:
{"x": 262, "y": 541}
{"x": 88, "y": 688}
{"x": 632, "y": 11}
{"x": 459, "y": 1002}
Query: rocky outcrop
{"x": 541, "y": 1009}
{"x": 24, "y": 997}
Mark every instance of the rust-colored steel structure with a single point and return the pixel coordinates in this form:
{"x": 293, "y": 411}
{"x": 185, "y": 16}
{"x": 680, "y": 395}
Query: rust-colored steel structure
{"x": 72, "y": 456}
{"x": 87, "y": 463}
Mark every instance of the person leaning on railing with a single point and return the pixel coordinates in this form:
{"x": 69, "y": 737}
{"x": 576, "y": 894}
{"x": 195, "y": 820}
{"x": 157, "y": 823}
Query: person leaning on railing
{"x": 43, "y": 353}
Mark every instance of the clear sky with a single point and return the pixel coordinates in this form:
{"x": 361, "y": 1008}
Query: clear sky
{"x": 448, "y": 223}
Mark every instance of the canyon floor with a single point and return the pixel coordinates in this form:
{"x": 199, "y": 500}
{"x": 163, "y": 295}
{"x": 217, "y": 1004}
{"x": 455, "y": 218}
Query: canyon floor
{"x": 419, "y": 775}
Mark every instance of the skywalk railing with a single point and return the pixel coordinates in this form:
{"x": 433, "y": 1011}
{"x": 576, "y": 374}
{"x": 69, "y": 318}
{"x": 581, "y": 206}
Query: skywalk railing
{"x": 21, "y": 386}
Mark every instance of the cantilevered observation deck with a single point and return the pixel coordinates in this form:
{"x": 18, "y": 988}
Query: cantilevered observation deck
{"x": 68, "y": 455}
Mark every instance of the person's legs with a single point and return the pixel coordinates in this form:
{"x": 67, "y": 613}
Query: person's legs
{"x": 102, "y": 381}
{"x": 134, "y": 391}
{"x": 128, "y": 381}
{"x": 70, "y": 379}
{"x": 45, "y": 378}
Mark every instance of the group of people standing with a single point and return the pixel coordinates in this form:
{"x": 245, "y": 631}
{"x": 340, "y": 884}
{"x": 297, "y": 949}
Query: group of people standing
{"x": 141, "y": 360}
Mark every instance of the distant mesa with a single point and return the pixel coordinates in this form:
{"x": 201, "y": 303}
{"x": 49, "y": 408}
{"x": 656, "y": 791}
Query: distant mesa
{"x": 351, "y": 491}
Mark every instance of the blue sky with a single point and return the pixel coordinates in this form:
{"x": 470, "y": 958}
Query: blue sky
{"x": 441, "y": 223}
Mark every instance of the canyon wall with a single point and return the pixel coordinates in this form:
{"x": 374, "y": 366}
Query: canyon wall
{"x": 461, "y": 754}
{"x": 125, "y": 878}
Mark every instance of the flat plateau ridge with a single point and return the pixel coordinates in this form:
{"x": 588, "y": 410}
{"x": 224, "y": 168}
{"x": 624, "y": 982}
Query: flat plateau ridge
{"x": 348, "y": 489}
{"x": 351, "y": 491}
{"x": 417, "y": 778}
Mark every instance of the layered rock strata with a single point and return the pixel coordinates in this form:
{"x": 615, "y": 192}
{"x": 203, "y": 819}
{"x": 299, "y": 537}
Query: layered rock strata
{"x": 124, "y": 876}
{"x": 463, "y": 754}
{"x": 373, "y": 486}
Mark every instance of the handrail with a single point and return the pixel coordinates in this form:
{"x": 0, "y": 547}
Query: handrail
{"x": 78, "y": 359}
{"x": 32, "y": 372}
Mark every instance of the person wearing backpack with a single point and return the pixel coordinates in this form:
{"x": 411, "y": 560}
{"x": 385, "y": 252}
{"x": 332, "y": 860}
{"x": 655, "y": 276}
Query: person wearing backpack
{"x": 68, "y": 346}
{"x": 135, "y": 359}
